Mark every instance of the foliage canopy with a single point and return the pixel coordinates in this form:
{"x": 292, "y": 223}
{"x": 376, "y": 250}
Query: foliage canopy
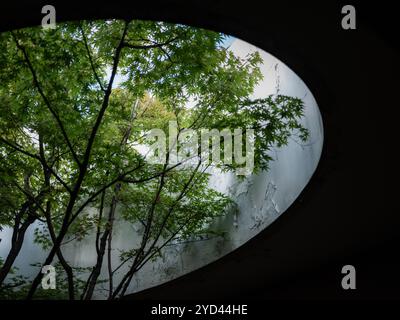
{"x": 75, "y": 101}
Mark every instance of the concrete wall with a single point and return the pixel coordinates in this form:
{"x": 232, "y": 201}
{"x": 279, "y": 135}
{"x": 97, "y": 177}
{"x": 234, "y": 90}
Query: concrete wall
{"x": 261, "y": 198}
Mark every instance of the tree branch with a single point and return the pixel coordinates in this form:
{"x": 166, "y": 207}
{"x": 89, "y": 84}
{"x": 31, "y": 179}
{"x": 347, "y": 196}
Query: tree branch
{"x": 150, "y": 46}
{"x": 90, "y": 58}
{"x": 45, "y": 99}
{"x": 36, "y": 157}
{"x": 105, "y": 103}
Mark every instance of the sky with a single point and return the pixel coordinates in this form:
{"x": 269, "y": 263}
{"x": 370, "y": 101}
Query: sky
{"x": 228, "y": 41}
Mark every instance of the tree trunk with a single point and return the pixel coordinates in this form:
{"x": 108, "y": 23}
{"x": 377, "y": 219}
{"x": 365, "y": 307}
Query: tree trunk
{"x": 18, "y": 240}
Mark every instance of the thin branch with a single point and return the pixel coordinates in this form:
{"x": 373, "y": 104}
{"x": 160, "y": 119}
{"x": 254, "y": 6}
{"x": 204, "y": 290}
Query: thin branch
{"x": 150, "y": 46}
{"x": 91, "y": 58}
{"x": 104, "y": 105}
{"x": 83, "y": 168}
{"x": 149, "y": 254}
{"x": 19, "y": 149}
{"x": 140, "y": 257}
{"x": 34, "y": 156}
{"x": 98, "y": 192}
{"x": 68, "y": 241}
{"x": 45, "y": 99}
{"x": 32, "y": 198}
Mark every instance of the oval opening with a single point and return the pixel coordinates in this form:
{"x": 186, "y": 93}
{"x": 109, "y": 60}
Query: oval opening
{"x": 142, "y": 151}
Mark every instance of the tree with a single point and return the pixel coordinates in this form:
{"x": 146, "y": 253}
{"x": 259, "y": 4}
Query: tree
{"x": 68, "y": 136}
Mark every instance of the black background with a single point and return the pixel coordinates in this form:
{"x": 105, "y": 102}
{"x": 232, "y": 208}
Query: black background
{"x": 349, "y": 212}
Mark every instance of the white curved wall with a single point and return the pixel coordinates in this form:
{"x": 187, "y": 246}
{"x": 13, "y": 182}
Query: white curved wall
{"x": 261, "y": 198}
